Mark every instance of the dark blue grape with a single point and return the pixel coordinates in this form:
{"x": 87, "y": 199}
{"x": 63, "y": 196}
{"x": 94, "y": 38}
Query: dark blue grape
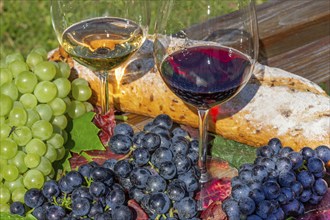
{"x": 96, "y": 208}
{"x": 315, "y": 165}
{"x": 278, "y": 214}
{"x": 246, "y": 206}
{"x": 307, "y": 153}
{"x": 34, "y": 198}
{"x": 55, "y": 212}
{"x": 39, "y": 213}
{"x": 137, "y": 138}
{"x": 246, "y": 166}
{"x": 180, "y": 146}
{"x": 296, "y": 159}
{"x": 286, "y": 179}
{"x": 17, "y": 208}
{"x": 275, "y": 144}
{"x": 253, "y": 217}
{"x": 236, "y": 180}
{"x": 292, "y": 208}
{"x": 305, "y": 195}
{"x": 165, "y": 140}
{"x": 297, "y": 188}
{"x": 190, "y": 180}
{"x": 85, "y": 170}
{"x": 74, "y": 178}
{"x": 122, "y": 213}
{"x": 320, "y": 187}
{"x": 175, "y": 191}
{"x": 159, "y": 203}
{"x": 115, "y": 198}
{"x": 103, "y": 216}
{"x": 257, "y": 195}
{"x": 271, "y": 189}
{"x": 163, "y": 120}
{"x": 240, "y": 191}
{"x": 186, "y": 208}
{"x": 120, "y": 144}
{"x": 161, "y": 155}
{"x": 160, "y": 130}
{"x": 151, "y": 141}
{"x": 182, "y": 163}
{"x": 81, "y": 192}
{"x": 268, "y": 163}
{"x": 306, "y": 178}
{"x": 315, "y": 199}
{"x": 255, "y": 185}
{"x": 286, "y": 195}
{"x": 283, "y": 164}
{"x": 264, "y": 209}
{"x": 136, "y": 194}
{"x": 194, "y": 145}
{"x": 265, "y": 151}
{"x": 178, "y": 131}
{"x": 245, "y": 176}
{"x": 285, "y": 151}
{"x": 80, "y": 207}
{"x": 124, "y": 129}
{"x": 64, "y": 185}
{"x": 323, "y": 152}
{"x": 97, "y": 189}
{"x": 125, "y": 183}
{"x": 109, "y": 164}
{"x": 259, "y": 173}
{"x": 102, "y": 174}
{"x": 193, "y": 156}
{"x": 50, "y": 189}
{"x": 141, "y": 156}
{"x": 167, "y": 170}
{"x": 230, "y": 206}
{"x": 156, "y": 183}
{"x": 139, "y": 177}
{"x": 122, "y": 168}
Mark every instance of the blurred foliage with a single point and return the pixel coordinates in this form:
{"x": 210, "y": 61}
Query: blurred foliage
{"x": 25, "y": 24}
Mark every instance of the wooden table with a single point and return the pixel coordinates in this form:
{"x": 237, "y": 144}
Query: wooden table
{"x": 294, "y": 36}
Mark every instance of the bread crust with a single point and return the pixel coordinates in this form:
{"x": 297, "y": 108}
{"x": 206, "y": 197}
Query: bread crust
{"x": 274, "y": 103}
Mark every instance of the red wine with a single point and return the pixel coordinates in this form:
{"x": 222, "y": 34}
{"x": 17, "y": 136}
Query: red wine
{"x": 205, "y": 76}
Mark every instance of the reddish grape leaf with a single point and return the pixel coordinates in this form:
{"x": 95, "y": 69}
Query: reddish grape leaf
{"x": 137, "y": 210}
{"x": 214, "y": 212}
{"x": 84, "y": 134}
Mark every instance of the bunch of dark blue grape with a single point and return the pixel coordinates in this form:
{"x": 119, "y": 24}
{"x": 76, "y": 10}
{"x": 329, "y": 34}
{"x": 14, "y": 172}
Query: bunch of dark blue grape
{"x": 279, "y": 183}
{"x": 161, "y": 171}
{"x": 92, "y": 192}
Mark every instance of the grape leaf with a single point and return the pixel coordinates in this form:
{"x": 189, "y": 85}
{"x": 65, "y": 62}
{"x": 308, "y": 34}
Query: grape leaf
{"x": 233, "y": 152}
{"x": 8, "y": 216}
{"x": 83, "y": 134}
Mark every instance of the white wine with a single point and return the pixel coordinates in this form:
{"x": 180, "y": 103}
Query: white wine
{"x": 103, "y": 43}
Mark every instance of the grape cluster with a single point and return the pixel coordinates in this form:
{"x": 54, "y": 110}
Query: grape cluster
{"x": 161, "y": 173}
{"x": 279, "y": 183}
{"x": 37, "y": 100}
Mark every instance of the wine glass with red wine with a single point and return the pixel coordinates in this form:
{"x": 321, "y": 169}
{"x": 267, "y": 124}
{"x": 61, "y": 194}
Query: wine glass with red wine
{"x": 102, "y": 34}
{"x": 206, "y": 58}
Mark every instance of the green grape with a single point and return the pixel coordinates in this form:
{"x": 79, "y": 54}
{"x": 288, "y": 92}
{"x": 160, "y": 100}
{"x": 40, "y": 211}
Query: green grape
{"x": 45, "y": 111}
{"x": 52, "y": 174}
{"x": 36, "y": 146}
{"x": 5, "y": 76}
{"x": 17, "y": 183}
{"x": 18, "y": 194}
{"x": 45, "y": 166}
{"x": 89, "y": 107}
{"x": 45, "y": 91}
{"x": 2, "y": 120}
{"x": 79, "y": 81}
{"x": 33, "y": 179}
{"x": 18, "y": 66}
{"x": 56, "y": 140}
{"x": 22, "y": 135}
{"x": 42, "y": 51}
{"x": 10, "y": 90}
{"x": 4, "y": 195}
{"x": 76, "y": 109}
{"x": 60, "y": 121}
{"x": 65, "y": 136}
{"x": 26, "y": 81}
{"x": 31, "y": 160}
{"x": 33, "y": 58}
{"x": 13, "y": 57}
{"x": 33, "y": 116}
{"x": 10, "y": 172}
{"x": 18, "y": 161}
{"x": 45, "y": 70}
{"x": 81, "y": 92}
{"x": 67, "y": 101}
{"x": 8, "y": 148}
{"x": 28, "y": 100}
{"x": 64, "y": 69}
{"x": 51, "y": 153}
{"x": 6, "y": 104}
{"x": 42, "y": 129}
{"x": 5, "y": 208}
{"x": 18, "y": 104}
{"x": 63, "y": 87}
{"x": 4, "y": 131}
{"x": 17, "y": 116}
{"x": 60, "y": 153}
{"x": 58, "y": 106}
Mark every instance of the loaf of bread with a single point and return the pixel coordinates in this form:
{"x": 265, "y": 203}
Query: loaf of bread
{"x": 274, "y": 103}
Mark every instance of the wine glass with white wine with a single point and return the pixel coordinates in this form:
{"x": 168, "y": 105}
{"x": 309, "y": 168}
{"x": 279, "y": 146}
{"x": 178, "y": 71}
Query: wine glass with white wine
{"x": 101, "y": 34}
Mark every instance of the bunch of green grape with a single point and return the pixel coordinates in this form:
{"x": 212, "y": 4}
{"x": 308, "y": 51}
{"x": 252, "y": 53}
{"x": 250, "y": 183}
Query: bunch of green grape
{"x": 36, "y": 101}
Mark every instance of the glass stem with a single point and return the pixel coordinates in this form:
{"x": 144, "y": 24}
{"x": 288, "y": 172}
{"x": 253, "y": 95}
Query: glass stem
{"x": 104, "y": 91}
{"x": 203, "y": 124}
